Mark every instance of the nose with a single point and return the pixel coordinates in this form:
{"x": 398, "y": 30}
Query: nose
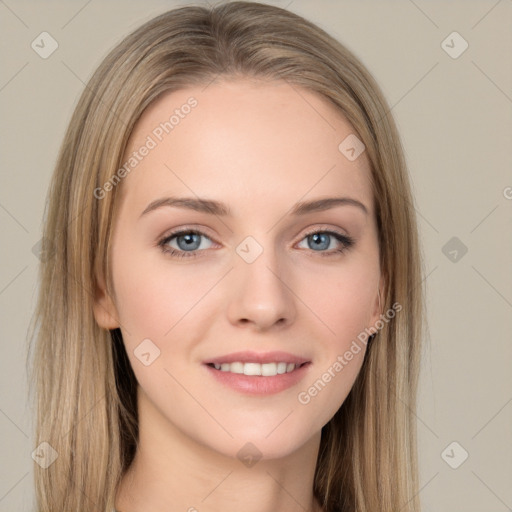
{"x": 261, "y": 295}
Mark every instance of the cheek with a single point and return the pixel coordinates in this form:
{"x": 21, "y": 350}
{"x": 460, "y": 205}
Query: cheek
{"x": 342, "y": 301}
{"x": 151, "y": 295}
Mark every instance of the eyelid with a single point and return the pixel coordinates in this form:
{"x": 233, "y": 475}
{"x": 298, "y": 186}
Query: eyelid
{"x": 325, "y": 228}
{"x": 200, "y": 229}
{"x": 312, "y": 228}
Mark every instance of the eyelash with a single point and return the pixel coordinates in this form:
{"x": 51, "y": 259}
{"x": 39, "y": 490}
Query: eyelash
{"x": 346, "y": 241}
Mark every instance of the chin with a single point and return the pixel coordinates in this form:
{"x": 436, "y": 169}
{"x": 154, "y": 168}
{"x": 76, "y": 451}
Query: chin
{"x": 262, "y": 443}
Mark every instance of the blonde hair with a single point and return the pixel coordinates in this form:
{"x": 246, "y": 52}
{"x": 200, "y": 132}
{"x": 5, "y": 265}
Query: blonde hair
{"x": 85, "y": 387}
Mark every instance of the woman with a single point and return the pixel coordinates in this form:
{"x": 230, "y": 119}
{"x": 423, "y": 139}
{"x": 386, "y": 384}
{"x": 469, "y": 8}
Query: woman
{"x": 229, "y": 220}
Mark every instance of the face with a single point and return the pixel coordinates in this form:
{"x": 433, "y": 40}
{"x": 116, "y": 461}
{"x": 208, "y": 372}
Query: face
{"x": 193, "y": 285}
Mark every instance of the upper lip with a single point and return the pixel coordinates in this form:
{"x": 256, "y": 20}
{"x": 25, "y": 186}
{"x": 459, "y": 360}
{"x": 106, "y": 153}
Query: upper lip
{"x": 258, "y": 357}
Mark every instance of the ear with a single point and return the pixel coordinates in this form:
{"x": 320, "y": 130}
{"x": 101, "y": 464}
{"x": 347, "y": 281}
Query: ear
{"x": 104, "y": 308}
{"x": 378, "y": 304}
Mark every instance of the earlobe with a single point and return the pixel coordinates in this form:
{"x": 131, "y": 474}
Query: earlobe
{"x": 105, "y": 311}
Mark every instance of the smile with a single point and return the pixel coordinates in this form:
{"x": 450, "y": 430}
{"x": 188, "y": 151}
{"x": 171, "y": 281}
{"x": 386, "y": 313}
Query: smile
{"x": 264, "y": 370}
{"x": 258, "y": 378}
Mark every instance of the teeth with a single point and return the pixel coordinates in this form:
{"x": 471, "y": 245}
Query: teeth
{"x": 281, "y": 367}
{"x": 266, "y": 369}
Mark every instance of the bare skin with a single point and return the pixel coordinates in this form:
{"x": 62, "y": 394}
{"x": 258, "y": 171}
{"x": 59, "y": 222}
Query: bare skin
{"x": 259, "y": 148}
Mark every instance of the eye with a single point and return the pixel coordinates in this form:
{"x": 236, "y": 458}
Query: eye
{"x": 320, "y": 240}
{"x": 188, "y": 243}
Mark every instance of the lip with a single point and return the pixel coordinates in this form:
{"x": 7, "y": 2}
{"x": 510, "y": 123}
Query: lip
{"x": 258, "y": 384}
{"x": 258, "y": 357}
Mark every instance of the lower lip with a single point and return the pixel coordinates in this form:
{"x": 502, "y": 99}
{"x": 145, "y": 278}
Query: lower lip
{"x": 257, "y": 384}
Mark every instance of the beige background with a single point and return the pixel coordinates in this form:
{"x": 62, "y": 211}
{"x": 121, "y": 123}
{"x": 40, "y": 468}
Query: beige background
{"x": 455, "y": 117}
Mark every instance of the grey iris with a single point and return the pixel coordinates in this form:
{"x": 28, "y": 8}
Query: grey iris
{"x": 189, "y": 241}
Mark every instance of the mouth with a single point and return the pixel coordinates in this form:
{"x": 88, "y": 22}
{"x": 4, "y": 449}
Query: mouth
{"x": 252, "y": 369}
{"x": 258, "y": 379}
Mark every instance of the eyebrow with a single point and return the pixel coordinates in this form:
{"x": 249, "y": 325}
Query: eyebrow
{"x": 217, "y": 208}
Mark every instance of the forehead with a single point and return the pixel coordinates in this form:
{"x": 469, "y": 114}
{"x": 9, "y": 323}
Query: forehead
{"x": 258, "y": 143}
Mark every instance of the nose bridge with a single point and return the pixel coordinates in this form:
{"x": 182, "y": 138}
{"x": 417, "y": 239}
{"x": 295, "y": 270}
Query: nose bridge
{"x": 261, "y": 294}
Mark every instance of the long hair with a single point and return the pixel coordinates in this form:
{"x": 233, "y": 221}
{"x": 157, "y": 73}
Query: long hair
{"x": 84, "y": 385}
